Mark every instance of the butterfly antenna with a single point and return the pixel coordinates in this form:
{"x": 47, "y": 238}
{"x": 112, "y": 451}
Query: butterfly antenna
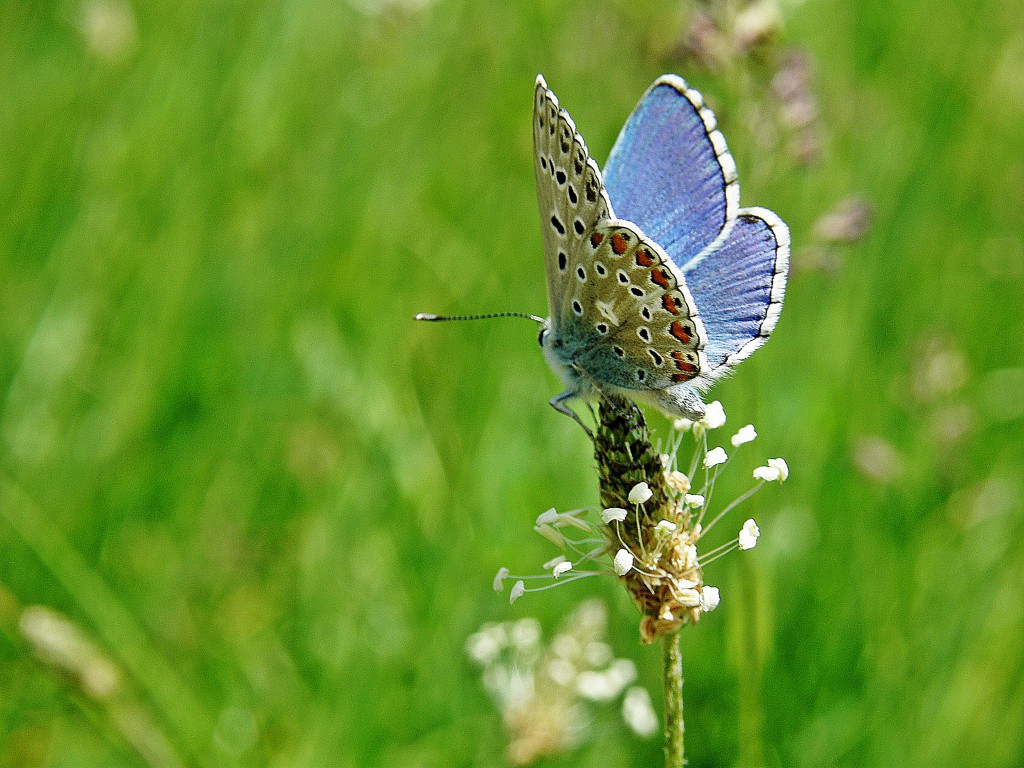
{"x": 438, "y": 318}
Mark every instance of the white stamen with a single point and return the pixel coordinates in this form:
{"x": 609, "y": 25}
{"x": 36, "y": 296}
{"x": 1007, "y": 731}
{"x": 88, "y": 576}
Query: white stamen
{"x": 694, "y": 500}
{"x": 499, "y": 579}
{"x": 714, "y": 415}
{"x": 640, "y": 493}
{"x": 768, "y": 474}
{"x": 517, "y": 591}
{"x": 613, "y": 513}
{"x": 715, "y": 457}
{"x": 710, "y": 597}
{"x": 748, "y": 535}
{"x": 782, "y": 466}
{"x": 546, "y": 518}
{"x": 623, "y": 562}
{"x": 561, "y": 568}
{"x": 745, "y": 435}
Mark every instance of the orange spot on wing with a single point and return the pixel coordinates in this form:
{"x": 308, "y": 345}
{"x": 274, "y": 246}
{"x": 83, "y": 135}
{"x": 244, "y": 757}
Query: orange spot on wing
{"x": 681, "y": 377}
{"x": 643, "y": 258}
{"x": 619, "y": 244}
{"x": 659, "y": 277}
{"x": 596, "y": 239}
{"x": 679, "y": 332}
{"x": 670, "y": 303}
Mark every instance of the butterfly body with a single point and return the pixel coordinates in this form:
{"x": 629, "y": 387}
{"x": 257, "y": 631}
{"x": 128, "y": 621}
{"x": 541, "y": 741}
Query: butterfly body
{"x": 655, "y": 319}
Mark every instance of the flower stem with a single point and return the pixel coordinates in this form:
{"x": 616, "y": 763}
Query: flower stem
{"x": 672, "y": 673}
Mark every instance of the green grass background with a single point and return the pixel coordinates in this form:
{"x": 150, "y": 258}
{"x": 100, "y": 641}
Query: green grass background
{"x": 276, "y": 503}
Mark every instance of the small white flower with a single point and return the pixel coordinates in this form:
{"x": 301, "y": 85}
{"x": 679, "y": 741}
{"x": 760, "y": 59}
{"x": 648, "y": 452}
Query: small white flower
{"x": 748, "y": 535}
{"x": 638, "y": 712}
{"x": 768, "y": 474}
{"x": 682, "y": 425}
{"x": 715, "y": 457}
{"x": 664, "y": 528}
{"x": 640, "y": 493}
{"x": 561, "y": 568}
{"x": 782, "y": 466}
{"x": 553, "y": 562}
{"x": 714, "y": 415}
{"x": 709, "y": 599}
{"x": 547, "y": 518}
{"x": 516, "y": 592}
{"x": 623, "y": 562}
{"x": 499, "y": 579}
{"x": 613, "y": 513}
{"x": 694, "y": 500}
{"x": 745, "y": 435}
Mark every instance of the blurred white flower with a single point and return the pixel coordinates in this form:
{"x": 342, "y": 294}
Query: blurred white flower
{"x": 682, "y": 425}
{"x": 715, "y": 457}
{"x": 623, "y": 562}
{"x": 640, "y": 493}
{"x": 553, "y": 562}
{"x": 693, "y": 500}
{"x": 714, "y": 415}
{"x": 745, "y": 435}
{"x": 561, "y": 568}
{"x": 748, "y": 535}
{"x": 613, "y": 513}
{"x": 638, "y": 712}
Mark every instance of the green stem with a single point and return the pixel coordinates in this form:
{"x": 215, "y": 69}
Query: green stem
{"x": 672, "y": 671}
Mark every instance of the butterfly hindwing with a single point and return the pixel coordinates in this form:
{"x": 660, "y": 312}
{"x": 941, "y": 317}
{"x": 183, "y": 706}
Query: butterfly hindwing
{"x": 739, "y": 286}
{"x": 570, "y": 190}
{"x": 634, "y": 318}
{"x": 671, "y": 173}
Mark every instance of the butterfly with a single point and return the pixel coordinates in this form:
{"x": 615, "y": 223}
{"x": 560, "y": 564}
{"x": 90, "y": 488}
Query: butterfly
{"x": 658, "y": 283}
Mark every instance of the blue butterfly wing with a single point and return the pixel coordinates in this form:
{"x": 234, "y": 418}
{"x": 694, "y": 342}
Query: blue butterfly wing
{"x": 738, "y": 286}
{"x": 670, "y": 172}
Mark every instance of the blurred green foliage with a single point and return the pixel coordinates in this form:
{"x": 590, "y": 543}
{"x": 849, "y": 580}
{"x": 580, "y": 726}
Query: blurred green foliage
{"x": 274, "y": 504}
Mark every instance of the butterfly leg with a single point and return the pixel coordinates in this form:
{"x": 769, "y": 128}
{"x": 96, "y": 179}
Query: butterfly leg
{"x": 558, "y": 403}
